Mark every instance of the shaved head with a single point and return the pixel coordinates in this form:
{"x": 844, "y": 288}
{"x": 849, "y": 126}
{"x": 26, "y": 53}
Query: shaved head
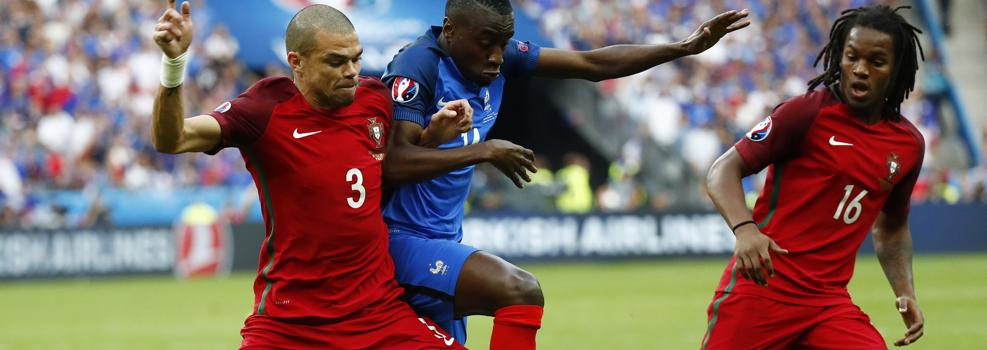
{"x": 456, "y": 8}
{"x": 300, "y": 36}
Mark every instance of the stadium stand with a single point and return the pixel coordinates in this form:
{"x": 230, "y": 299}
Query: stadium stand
{"x": 77, "y": 79}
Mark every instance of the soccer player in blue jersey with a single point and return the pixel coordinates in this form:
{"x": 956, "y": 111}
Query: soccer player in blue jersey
{"x": 469, "y": 57}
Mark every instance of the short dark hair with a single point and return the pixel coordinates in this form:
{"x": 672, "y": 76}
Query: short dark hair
{"x": 500, "y": 7}
{"x": 300, "y": 35}
{"x": 907, "y": 50}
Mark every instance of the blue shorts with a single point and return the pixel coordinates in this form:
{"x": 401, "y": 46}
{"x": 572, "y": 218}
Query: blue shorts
{"x": 428, "y": 270}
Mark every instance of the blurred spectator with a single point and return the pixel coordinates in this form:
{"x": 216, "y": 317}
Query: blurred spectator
{"x": 701, "y": 105}
{"x": 78, "y": 78}
{"x": 577, "y": 198}
{"x": 77, "y": 83}
{"x": 622, "y": 192}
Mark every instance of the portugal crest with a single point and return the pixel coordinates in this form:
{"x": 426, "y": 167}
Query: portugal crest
{"x": 376, "y": 131}
{"x": 893, "y": 166}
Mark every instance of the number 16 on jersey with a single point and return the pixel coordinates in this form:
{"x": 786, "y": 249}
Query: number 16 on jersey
{"x": 853, "y": 209}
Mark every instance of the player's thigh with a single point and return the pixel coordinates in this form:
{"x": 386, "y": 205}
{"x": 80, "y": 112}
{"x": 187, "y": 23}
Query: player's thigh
{"x": 742, "y": 322}
{"x": 430, "y": 263}
{"x": 409, "y": 331}
{"x": 265, "y": 333}
{"x": 843, "y": 327}
{"x": 488, "y": 283}
{"x": 395, "y": 326}
{"x": 429, "y": 270}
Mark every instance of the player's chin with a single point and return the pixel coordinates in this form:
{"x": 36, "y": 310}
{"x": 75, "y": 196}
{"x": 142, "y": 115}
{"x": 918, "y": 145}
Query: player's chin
{"x": 485, "y": 78}
{"x": 344, "y": 96}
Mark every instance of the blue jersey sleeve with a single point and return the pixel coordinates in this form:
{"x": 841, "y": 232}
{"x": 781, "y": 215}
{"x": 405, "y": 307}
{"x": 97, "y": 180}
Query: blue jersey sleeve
{"x": 520, "y": 59}
{"x": 411, "y": 78}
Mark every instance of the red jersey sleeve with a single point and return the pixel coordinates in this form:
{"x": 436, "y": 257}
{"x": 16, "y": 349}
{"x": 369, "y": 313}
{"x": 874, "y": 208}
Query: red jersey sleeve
{"x": 779, "y": 137}
{"x": 243, "y": 119}
{"x": 899, "y": 201}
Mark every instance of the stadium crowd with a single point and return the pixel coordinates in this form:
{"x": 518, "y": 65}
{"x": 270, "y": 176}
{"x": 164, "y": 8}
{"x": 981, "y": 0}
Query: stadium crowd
{"x": 78, "y": 77}
{"x": 704, "y": 104}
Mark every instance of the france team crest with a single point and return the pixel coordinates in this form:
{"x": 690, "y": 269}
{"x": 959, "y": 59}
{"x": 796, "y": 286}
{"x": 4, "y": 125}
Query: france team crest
{"x": 404, "y": 90}
{"x": 760, "y": 131}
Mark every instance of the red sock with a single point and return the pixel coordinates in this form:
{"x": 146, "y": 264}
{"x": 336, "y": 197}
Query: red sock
{"x": 515, "y": 327}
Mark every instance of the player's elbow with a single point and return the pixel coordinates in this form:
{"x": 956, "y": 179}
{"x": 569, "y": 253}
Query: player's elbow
{"x": 715, "y": 174}
{"x": 595, "y": 73}
{"x": 168, "y": 147}
{"x": 392, "y": 172}
{"x": 595, "y": 77}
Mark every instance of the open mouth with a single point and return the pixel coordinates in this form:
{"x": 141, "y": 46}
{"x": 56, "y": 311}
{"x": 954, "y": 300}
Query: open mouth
{"x": 859, "y": 89}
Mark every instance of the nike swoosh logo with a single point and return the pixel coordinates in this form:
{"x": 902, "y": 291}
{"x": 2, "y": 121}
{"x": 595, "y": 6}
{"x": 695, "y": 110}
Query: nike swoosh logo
{"x": 833, "y": 142}
{"x": 299, "y": 135}
{"x": 441, "y": 103}
{"x": 448, "y": 341}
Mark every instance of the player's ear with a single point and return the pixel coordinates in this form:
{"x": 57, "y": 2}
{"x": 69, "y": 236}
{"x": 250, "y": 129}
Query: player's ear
{"x": 447, "y": 28}
{"x": 295, "y": 62}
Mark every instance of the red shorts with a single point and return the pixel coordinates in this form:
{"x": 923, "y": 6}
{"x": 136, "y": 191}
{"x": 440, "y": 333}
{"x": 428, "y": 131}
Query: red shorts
{"x": 399, "y": 328}
{"x": 740, "y": 321}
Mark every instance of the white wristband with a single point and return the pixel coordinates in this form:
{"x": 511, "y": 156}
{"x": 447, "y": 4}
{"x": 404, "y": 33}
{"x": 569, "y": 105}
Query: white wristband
{"x": 173, "y": 70}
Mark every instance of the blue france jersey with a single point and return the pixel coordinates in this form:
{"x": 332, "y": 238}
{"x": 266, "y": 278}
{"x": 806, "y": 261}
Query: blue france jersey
{"x": 422, "y": 78}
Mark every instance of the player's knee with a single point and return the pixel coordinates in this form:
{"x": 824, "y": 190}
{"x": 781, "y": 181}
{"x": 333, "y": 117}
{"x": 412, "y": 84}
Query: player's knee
{"x": 523, "y": 289}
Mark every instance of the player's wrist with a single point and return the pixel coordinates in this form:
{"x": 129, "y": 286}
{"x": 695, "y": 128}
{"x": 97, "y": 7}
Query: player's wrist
{"x": 173, "y": 70}
{"x": 427, "y": 138}
{"x": 743, "y": 226}
{"x": 486, "y": 152}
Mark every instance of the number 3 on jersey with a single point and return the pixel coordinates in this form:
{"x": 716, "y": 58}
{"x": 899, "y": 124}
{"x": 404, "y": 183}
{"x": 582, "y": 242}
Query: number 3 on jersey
{"x": 853, "y": 208}
{"x": 355, "y": 178}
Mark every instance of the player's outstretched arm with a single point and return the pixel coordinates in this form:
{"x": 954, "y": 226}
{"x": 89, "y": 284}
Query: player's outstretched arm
{"x": 622, "y": 60}
{"x": 170, "y": 131}
{"x": 752, "y": 250}
{"x": 893, "y": 245}
{"x": 407, "y": 161}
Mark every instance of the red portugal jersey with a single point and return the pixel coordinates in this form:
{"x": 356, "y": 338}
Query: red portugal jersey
{"x": 829, "y": 176}
{"x": 318, "y": 173}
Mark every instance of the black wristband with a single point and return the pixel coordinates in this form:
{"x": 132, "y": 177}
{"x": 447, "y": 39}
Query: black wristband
{"x": 734, "y": 228}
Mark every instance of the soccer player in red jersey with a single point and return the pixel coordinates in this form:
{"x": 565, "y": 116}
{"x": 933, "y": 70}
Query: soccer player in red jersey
{"x": 314, "y": 146}
{"x": 841, "y": 160}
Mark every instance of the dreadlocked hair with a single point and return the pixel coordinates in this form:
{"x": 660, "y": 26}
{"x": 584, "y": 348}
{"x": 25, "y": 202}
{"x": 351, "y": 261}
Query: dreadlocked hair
{"x": 907, "y": 50}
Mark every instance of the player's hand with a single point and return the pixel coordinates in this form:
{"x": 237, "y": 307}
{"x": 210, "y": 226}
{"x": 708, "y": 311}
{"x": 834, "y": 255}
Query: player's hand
{"x": 914, "y": 320}
{"x": 753, "y": 256}
{"x": 173, "y": 34}
{"x": 512, "y": 160}
{"x": 710, "y": 32}
{"x": 453, "y": 119}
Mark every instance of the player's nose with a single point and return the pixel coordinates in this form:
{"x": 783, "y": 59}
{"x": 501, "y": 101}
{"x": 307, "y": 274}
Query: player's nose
{"x": 351, "y": 70}
{"x": 496, "y": 57}
{"x": 860, "y": 70}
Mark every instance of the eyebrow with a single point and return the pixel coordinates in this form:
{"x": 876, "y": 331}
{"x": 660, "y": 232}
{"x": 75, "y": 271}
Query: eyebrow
{"x": 498, "y": 30}
{"x": 875, "y": 51}
{"x": 336, "y": 55}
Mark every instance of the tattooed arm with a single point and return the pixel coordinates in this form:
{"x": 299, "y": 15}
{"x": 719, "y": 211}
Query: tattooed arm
{"x": 170, "y": 131}
{"x": 893, "y": 245}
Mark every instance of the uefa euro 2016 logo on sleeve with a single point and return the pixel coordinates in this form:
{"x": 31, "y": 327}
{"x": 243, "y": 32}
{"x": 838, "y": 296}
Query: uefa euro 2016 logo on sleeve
{"x": 760, "y": 131}
{"x": 404, "y": 90}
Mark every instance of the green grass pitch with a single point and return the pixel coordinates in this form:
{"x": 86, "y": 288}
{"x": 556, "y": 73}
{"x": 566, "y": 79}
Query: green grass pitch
{"x": 624, "y": 305}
